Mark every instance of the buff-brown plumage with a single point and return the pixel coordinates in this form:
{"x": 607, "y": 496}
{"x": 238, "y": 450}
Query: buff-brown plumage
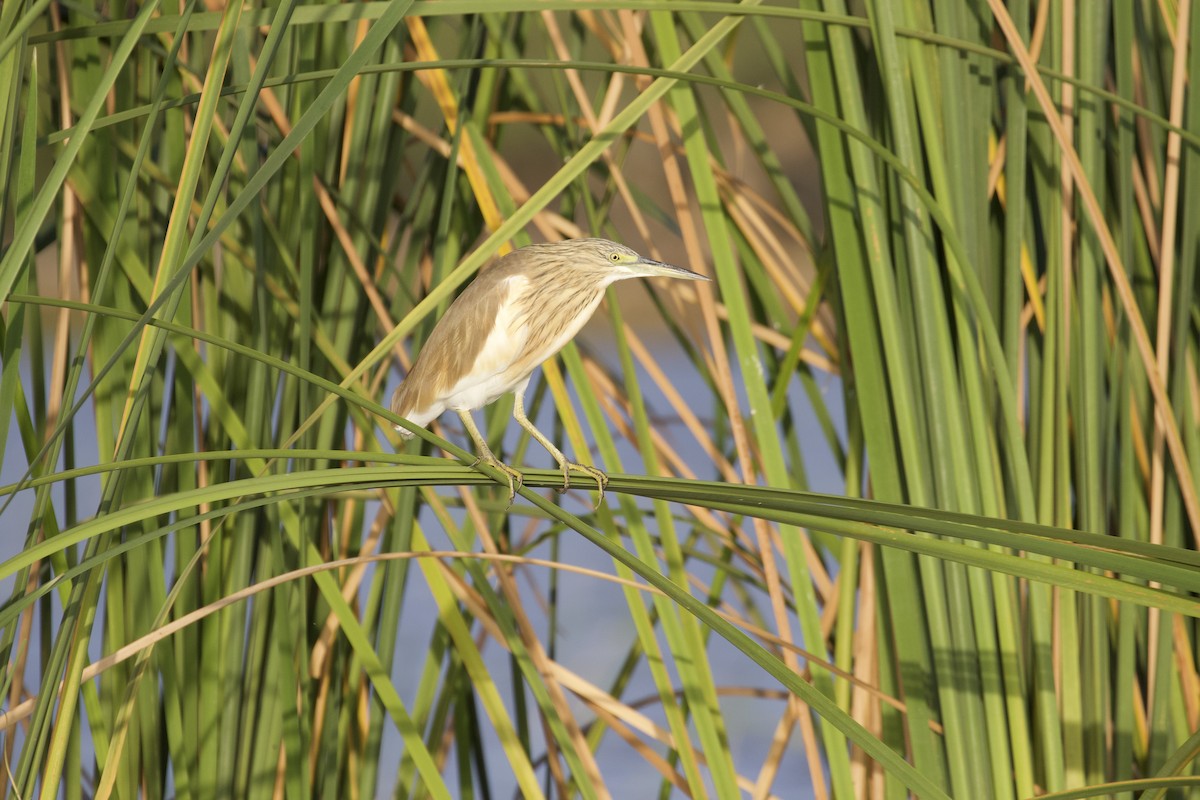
{"x": 515, "y": 314}
{"x": 455, "y": 343}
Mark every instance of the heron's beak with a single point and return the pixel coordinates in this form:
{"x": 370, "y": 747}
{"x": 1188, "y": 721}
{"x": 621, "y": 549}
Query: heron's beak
{"x": 648, "y": 268}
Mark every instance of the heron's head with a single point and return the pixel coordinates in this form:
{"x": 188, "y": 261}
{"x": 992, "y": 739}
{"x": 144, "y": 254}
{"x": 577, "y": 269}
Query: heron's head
{"x": 608, "y": 261}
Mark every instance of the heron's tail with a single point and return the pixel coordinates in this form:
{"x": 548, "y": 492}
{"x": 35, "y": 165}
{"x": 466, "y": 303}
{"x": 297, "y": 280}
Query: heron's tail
{"x": 404, "y": 404}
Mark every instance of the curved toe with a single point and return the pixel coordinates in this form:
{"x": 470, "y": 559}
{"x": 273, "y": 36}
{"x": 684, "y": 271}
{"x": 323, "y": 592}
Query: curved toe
{"x": 595, "y": 474}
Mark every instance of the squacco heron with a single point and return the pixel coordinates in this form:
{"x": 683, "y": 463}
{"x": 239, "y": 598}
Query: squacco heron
{"x": 516, "y": 314}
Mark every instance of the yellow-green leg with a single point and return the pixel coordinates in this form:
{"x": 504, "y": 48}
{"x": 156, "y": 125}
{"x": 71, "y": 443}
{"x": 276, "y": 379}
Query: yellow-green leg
{"x": 515, "y": 478}
{"x": 597, "y": 475}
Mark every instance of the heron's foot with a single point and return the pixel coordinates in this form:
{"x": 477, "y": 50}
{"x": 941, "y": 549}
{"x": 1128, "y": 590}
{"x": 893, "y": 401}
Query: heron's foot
{"x": 595, "y": 474}
{"x": 515, "y": 479}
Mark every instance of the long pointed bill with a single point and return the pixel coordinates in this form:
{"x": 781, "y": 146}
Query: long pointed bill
{"x": 648, "y": 268}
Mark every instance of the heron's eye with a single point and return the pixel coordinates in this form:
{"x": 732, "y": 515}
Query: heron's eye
{"x": 615, "y": 258}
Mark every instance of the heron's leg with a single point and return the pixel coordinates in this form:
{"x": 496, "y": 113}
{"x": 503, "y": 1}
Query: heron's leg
{"x": 515, "y": 478}
{"x": 597, "y": 475}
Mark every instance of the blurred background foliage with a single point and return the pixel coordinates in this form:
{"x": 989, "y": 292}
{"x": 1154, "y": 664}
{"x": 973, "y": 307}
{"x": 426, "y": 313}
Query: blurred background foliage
{"x": 955, "y": 288}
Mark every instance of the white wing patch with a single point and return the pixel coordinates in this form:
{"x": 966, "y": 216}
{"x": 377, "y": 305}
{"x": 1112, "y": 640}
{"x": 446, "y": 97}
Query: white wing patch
{"x": 505, "y": 342}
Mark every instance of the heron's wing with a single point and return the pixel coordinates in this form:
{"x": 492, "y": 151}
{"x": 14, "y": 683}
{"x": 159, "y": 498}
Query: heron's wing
{"x": 474, "y": 341}
{"x": 504, "y": 341}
